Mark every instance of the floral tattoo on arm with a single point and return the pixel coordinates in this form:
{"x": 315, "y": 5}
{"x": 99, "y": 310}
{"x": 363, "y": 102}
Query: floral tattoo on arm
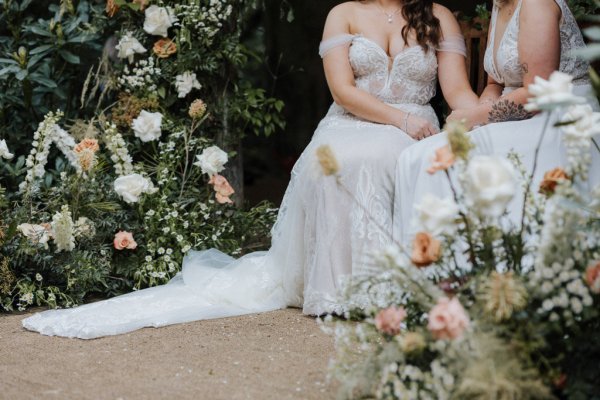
{"x": 506, "y": 110}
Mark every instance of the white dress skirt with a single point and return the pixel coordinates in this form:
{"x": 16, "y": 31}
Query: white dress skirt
{"x": 499, "y": 139}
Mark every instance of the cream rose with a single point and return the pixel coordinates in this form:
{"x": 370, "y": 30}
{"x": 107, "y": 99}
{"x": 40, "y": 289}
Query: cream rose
{"x": 555, "y": 92}
{"x": 490, "y": 183}
{"x": 159, "y": 20}
{"x": 128, "y": 47}
{"x": 131, "y": 187}
{"x": 437, "y": 216}
{"x": 212, "y": 160}
{"x": 147, "y": 126}
{"x": 36, "y": 234}
{"x": 185, "y": 83}
{"x": 4, "y": 153}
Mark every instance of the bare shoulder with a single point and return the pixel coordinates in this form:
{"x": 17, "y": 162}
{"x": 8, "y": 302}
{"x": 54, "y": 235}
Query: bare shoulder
{"x": 448, "y": 21}
{"x": 442, "y": 13}
{"x": 344, "y": 10}
{"x": 339, "y": 19}
{"x": 545, "y": 7}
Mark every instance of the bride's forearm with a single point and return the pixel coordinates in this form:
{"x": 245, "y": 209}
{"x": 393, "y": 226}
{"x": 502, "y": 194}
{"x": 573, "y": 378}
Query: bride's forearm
{"x": 368, "y": 107}
{"x": 491, "y": 93}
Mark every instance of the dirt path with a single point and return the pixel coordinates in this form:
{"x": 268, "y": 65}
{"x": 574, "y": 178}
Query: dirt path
{"x": 278, "y": 355}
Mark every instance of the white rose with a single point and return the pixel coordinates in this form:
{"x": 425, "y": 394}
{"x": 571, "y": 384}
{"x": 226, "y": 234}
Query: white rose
{"x": 490, "y": 183}
{"x": 212, "y": 160}
{"x": 555, "y": 92}
{"x": 4, "y": 153}
{"x": 586, "y": 123}
{"x": 131, "y": 187}
{"x": 147, "y": 126}
{"x": 186, "y": 82}
{"x": 437, "y": 216}
{"x": 36, "y": 234}
{"x": 159, "y": 20}
{"x": 129, "y": 46}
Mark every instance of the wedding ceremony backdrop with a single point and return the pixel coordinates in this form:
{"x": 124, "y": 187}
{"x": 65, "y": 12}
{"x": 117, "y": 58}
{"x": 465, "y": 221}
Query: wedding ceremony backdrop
{"x": 132, "y": 131}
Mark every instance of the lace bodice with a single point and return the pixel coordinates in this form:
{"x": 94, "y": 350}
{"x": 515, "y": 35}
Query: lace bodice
{"x": 506, "y": 68}
{"x": 407, "y": 78}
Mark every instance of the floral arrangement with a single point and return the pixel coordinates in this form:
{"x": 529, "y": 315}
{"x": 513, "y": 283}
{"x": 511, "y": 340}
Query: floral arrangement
{"x": 485, "y": 304}
{"x": 113, "y": 202}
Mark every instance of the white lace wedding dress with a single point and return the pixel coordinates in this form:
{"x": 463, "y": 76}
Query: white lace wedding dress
{"x": 322, "y": 236}
{"x": 522, "y": 137}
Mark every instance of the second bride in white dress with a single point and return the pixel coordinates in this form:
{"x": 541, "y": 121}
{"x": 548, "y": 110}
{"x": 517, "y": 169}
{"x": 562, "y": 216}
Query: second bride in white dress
{"x": 323, "y": 235}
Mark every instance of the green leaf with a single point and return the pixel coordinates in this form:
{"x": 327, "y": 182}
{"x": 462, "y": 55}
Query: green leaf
{"x": 41, "y": 49}
{"x": 70, "y": 57}
{"x": 22, "y": 74}
{"x": 44, "y": 81}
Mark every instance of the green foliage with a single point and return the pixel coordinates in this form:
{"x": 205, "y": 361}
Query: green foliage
{"x": 45, "y": 50}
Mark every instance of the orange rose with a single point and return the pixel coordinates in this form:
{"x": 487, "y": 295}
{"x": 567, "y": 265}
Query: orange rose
{"x": 389, "y": 321}
{"x": 426, "y": 250}
{"x": 444, "y": 159}
{"x": 164, "y": 48}
{"x": 222, "y": 188}
{"x": 111, "y": 8}
{"x": 124, "y": 240}
{"x": 551, "y": 179}
{"x": 592, "y": 278}
{"x": 87, "y": 144}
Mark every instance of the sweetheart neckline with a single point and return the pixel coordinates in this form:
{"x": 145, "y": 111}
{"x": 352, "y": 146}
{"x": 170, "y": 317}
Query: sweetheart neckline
{"x": 382, "y": 50}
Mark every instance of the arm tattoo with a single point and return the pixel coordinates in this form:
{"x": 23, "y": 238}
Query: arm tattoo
{"x": 506, "y": 110}
{"x": 525, "y": 68}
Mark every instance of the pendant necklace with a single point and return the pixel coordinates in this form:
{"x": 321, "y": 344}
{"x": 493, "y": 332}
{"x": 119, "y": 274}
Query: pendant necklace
{"x": 390, "y": 16}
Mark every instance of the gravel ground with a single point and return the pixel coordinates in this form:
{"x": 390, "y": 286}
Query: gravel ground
{"x": 279, "y": 355}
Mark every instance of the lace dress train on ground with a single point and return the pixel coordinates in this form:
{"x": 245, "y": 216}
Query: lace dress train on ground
{"x": 324, "y": 232}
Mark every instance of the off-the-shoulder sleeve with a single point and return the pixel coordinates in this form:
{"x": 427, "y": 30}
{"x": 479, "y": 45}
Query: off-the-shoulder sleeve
{"x": 453, "y": 44}
{"x": 340, "y": 40}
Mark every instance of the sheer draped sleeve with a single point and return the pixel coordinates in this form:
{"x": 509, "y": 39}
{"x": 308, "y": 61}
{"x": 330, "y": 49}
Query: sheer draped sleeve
{"x": 337, "y": 41}
{"x": 453, "y": 44}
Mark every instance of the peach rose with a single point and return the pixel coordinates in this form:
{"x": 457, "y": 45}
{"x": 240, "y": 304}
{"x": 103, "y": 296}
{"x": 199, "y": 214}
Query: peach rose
{"x": 111, "y": 8}
{"x": 124, "y": 240}
{"x": 448, "y": 319}
{"x": 163, "y": 48}
{"x": 222, "y": 188}
{"x": 426, "y": 250}
{"x": 551, "y": 179}
{"x": 87, "y": 144}
{"x": 388, "y": 321}
{"x": 592, "y": 277}
{"x": 444, "y": 159}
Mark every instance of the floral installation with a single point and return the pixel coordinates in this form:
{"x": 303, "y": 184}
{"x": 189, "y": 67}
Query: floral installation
{"x": 141, "y": 179}
{"x": 485, "y": 304}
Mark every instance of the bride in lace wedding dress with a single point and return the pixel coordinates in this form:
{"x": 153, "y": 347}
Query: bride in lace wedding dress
{"x": 381, "y": 59}
{"x": 527, "y": 39}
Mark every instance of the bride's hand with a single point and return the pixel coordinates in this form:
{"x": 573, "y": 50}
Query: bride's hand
{"x": 416, "y": 127}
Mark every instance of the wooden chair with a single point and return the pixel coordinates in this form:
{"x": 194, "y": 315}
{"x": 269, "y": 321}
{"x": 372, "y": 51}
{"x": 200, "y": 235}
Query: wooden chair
{"x": 475, "y": 33}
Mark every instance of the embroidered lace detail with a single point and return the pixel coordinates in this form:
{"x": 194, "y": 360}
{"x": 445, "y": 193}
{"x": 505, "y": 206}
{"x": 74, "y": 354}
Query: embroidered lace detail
{"x": 506, "y": 68}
